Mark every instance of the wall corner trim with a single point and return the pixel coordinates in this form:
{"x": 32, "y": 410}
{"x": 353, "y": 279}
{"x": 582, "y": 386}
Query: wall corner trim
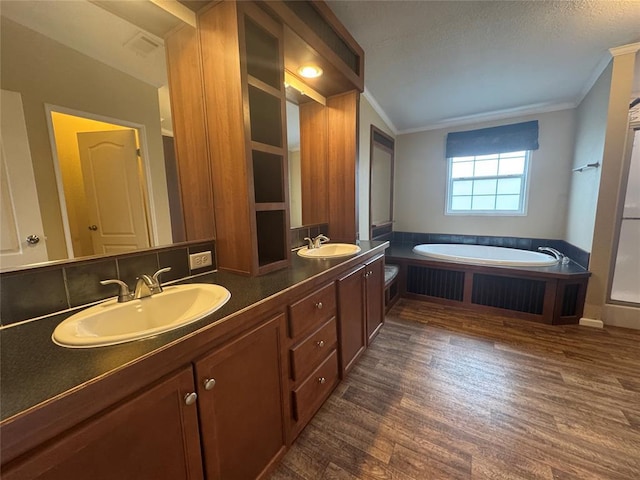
{"x": 625, "y": 49}
{"x": 376, "y": 106}
{"x": 591, "y": 322}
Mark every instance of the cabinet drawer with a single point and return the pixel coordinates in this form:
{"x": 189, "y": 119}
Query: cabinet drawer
{"x": 307, "y": 355}
{"x": 308, "y": 397}
{"x": 312, "y": 310}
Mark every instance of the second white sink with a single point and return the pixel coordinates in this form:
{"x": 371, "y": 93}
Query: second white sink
{"x": 330, "y": 250}
{"x": 110, "y": 323}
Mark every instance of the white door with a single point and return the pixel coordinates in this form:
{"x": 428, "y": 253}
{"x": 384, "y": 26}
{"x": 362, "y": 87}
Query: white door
{"x": 19, "y": 209}
{"x": 114, "y": 193}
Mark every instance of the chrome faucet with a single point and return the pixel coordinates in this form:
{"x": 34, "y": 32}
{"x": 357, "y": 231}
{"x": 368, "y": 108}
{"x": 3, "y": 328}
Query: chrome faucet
{"x": 562, "y": 258}
{"x": 319, "y": 240}
{"x": 316, "y": 242}
{"x": 145, "y": 286}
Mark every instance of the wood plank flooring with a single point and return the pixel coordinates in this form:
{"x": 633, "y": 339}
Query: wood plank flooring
{"x": 454, "y": 394}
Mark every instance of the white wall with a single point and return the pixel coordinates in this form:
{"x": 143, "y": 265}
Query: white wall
{"x": 591, "y": 127}
{"x": 421, "y": 177}
{"x": 368, "y": 117}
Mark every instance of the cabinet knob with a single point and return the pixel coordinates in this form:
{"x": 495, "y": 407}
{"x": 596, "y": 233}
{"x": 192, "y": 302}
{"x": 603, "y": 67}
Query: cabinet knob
{"x": 320, "y": 343}
{"x": 319, "y": 305}
{"x": 190, "y": 398}
{"x": 209, "y": 383}
{"x": 322, "y": 380}
{"x": 366, "y": 274}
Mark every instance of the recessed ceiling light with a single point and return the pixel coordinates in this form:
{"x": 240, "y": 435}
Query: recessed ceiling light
{"x": 310, "y": 71}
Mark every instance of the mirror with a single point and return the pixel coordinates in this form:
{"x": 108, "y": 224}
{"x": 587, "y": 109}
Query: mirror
{"x": 295, "y": 174}
{"x": 306, "y": 145}
{"x": 381, "y": 183}
{"x": 75, "y": 67}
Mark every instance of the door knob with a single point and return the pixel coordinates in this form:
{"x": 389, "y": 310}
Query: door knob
{"x": 33, "y": 239}
{"x": 93, "y": 228}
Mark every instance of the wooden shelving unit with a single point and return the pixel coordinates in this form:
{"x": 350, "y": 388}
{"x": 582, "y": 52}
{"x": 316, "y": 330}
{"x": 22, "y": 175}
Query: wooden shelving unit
{"x": 245, "y": 108}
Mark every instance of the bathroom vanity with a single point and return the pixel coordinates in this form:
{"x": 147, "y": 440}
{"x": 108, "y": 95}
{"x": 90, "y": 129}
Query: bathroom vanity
{"x": 223, "y": 397}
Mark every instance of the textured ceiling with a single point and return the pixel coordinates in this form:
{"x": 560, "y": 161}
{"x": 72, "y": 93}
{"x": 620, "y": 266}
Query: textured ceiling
{"x": 432, "y": 64}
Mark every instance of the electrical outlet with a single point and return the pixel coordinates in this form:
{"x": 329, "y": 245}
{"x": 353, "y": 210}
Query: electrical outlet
{"x": 200, "y": 259}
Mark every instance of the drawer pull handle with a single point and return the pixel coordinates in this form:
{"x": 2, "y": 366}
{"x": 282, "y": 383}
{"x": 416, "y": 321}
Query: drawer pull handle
{"x": 209, "y": 383}
{"x": 319, "y": 305}
{"x": 320, "y": 343}
{"x": 190, "y": 398}
{"x": 322, "y": 380}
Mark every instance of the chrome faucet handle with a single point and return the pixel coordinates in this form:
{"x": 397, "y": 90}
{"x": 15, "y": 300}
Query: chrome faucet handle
{"x": 156, "y": 279}
{"x": 319, "y": 240}
{"x": 125, "y": 295}
{"x": 310, "y": 244}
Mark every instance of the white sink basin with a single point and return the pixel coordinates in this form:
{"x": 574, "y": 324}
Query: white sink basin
{"x": 110, "y": 323}
{"x": 330, "y": 250}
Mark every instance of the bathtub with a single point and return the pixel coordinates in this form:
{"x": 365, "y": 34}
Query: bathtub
{"x": 485, "y": 255}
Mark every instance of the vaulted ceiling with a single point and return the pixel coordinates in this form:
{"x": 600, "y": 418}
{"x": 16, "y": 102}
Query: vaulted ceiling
{"x": 432, "y": 64}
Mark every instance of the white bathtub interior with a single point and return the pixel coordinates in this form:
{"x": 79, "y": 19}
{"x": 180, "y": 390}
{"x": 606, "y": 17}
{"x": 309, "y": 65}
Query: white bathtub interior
{"x": 484, "y": 255}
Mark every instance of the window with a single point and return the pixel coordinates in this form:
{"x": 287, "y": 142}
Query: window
{"x": 494, "y": 184}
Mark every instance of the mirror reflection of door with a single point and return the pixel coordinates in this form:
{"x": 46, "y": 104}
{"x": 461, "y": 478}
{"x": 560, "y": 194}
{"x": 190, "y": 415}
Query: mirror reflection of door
{"x": 113, "y": 190}
{"x": 22, "y": 237}
{"x": 104, "y": 189}
{"x": 381, "y": 184}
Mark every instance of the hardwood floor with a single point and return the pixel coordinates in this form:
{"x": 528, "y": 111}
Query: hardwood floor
{"x": 448, "y": 394}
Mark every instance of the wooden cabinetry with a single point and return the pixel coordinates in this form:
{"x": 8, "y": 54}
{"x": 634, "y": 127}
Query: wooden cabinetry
{"x": 240, "y": 395}
{"x": 351, "y": 318}
{"x": 313, "y": 358}
{"x": 244, "y": 102}
{"x": 360, "y": 310}
{"x": 374, "y": 297}
{"x": 152, "y": 435}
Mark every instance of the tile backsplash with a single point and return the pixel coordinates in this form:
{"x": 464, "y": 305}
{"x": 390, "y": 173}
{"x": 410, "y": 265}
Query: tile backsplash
{"x": 574, "y": 253}
{"x": 39, "y": 291}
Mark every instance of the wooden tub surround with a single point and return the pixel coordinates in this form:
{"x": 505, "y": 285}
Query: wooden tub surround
{"x": 553, "y": 295}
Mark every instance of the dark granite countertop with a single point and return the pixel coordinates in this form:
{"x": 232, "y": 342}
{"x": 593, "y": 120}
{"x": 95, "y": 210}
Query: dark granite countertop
{"x": 404, "y": 251}
{"x": 33, "y": 369}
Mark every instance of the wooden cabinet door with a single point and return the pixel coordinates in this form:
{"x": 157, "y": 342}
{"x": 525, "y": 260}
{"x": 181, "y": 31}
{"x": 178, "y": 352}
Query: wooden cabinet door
{"x": 151, "y": 436}
{"x": 374, "y": 285}
{"x": 241, "y": 412}
{"x": 351, "y": 315}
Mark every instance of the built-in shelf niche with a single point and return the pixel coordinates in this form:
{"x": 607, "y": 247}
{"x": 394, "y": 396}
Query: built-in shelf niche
{"x": 266, "y": 119}
{"x": 273, "y": 230}
{"x": 262, "y": 54}
{"x": 268, "y": 177}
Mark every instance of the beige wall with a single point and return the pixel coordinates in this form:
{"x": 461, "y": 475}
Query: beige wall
{"x": 591, "y": 126}
{"x": 421, "y": 177}
{"x": 368, "y": 117}
{"x": 46, "y": 72}
{"x": 605, "y": 226}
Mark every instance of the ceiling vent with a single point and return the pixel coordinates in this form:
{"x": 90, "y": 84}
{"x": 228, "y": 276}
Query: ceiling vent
{"x": 143, "y": 44}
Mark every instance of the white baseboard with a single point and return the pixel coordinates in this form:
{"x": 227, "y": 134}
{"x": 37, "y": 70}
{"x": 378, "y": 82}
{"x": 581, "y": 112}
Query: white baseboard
{"x": 591, "y": 322}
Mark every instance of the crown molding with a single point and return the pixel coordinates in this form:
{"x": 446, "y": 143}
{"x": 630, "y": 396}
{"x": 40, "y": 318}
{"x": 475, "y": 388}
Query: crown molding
{"x": 625, "y": 49}
{"x": 376, "y": 106}
{"x": 491, "y": 116}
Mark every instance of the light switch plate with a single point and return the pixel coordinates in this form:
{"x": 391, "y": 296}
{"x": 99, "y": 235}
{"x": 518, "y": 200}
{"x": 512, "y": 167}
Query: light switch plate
{"x": 200, "y": 260}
